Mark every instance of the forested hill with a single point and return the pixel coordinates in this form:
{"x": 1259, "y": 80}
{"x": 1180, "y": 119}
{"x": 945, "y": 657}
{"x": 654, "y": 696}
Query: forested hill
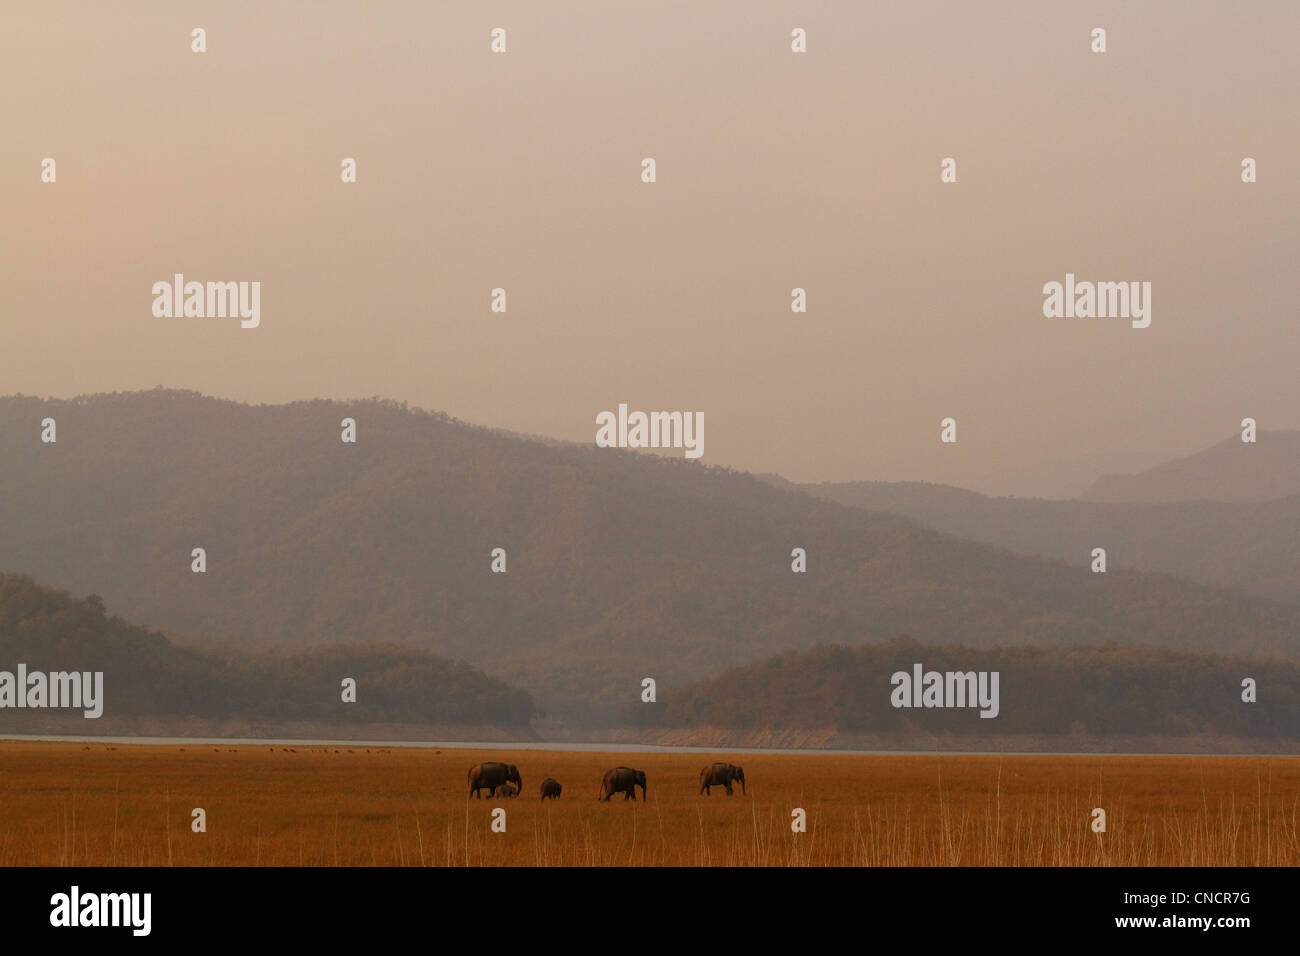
{"x": 146, "y": 675}
{"x": 621, "y": 565}
{"x": 1103, "y": 691}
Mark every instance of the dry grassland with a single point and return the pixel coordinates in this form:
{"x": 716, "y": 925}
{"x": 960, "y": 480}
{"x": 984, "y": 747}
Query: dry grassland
{"x": 124, "y": 805}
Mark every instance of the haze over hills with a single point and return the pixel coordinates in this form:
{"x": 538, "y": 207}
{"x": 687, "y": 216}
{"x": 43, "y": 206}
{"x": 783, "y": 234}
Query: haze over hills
{"x": 1232, "y": 471}
{"x": 1059, "y": 478}
{"x": 620, "y": 565}
{"x": 1235, "y": 542}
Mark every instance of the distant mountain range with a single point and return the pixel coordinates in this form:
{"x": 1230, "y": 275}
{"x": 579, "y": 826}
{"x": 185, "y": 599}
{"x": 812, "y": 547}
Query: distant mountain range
{"x": 621, "y": 565}
{"x": 1232, "y": 471}
{"x": 1225, "y": 538}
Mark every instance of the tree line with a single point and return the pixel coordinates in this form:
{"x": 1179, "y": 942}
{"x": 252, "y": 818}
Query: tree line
{"x": 145, "y": 674}
{"x": 1096, "y": 690}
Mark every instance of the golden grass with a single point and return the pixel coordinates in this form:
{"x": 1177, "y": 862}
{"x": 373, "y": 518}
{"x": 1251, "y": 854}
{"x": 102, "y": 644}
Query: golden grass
{"x": 125, "y": 805}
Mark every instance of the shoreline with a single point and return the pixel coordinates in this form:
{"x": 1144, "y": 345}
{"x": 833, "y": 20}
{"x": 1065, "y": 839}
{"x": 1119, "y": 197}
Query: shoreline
{"x": 602, "y": 747}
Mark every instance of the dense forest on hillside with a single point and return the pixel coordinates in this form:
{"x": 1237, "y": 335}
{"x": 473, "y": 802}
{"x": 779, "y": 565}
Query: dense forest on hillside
{"x": 145, "y": 674}
{"x": 1096, "y": 690}
{"x": 620, "y": 565}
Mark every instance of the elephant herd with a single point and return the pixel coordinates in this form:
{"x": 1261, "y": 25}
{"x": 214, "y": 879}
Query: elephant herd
{"x": 502, "y": 779}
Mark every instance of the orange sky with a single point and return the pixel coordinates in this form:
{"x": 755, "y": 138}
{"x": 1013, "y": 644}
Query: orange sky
{"x": 775, "y": 170}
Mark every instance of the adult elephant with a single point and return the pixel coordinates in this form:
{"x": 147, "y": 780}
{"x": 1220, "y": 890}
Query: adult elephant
{"x": 489, "y": 776}
{"x": 721, "y": 775}
{"x": 623, "y": 779}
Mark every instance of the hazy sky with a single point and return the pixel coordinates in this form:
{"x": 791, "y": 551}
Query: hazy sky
{"x": 775, "y": 170}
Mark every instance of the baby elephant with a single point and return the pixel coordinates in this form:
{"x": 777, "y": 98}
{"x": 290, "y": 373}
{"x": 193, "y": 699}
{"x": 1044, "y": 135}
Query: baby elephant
{"x": 508, "y": 790}
{"x": 550, "y": 788}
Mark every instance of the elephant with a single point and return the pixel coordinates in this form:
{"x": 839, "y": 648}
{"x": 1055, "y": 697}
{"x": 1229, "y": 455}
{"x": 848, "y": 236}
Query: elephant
{"x": 721, "y": 775}
{"x": 625, "y": 779}
{"x": 489, "y": 776}
{"x": 550, "y": 788}
{"x": 509, "y": 790}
